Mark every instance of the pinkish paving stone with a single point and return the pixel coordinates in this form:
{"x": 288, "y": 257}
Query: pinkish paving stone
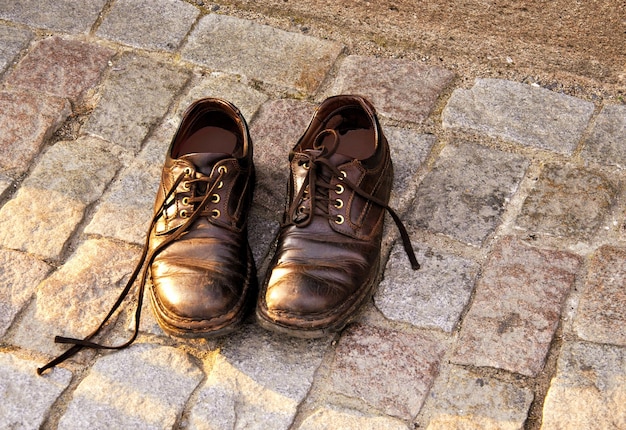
{"x": 26, "y": 121}
{"x": 369, "y": 362}
{"x": 601, "y": 315}
{"x": 400, "y": 89}
{"x": 516, "y": 308}
{"x": 64, "y": 68}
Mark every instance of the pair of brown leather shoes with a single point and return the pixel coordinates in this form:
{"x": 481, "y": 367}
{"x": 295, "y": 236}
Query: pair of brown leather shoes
{"x": 327, "y": 259}
{"x": 328, "y": 256}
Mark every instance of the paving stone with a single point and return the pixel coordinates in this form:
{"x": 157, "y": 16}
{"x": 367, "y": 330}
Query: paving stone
{"x": 61, "y": 15}
{"x": 12, "y": 42}
{"x": 465, "y": 194}
{"x": 337, "y": 419}
{"x": 142, "y": 387}
{"x": 464, "y": 400}
{"x": 65, "y": 68}
{"x": 370, "y": 361}
{"x": 5, "y": 183}
{"x": 409, "y": 150}
{"x": 68, "y": 177}
{"x": 523, "y": 114}
{"x": 605, "y": 143}
{"x": 257, "y": 381}
{"x": 399, "y": 89}
{"x": 19, "y": 276}
{"x": 569, "y": 202}
{"x": 260, "y": 52}
{"x": 589, "y": 389}
{"x": 137, "y": 94}
{"x": 516, "y": 307}
{"x": 159, "y": 24}
{"x": 434, "y": 297}
{"x": 601, "y": 315}
{"x": 74, "y": 300}
{"x": 26, "y": 397}
{"x": 26, "y": 121}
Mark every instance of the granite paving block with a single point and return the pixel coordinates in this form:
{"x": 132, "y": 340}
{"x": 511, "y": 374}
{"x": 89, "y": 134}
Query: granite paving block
{"x": 67, "y": 16}
{"x": 26, "y": 121}
{"x": 61, "y": 67}
{"x": 523, "y": 114}
{"x": 260, "y": 52}
{"x": 568, "y": 201}
{"x": 370, "y": 361}
{"x": 136, "y": 96}
{"x": 67, "y": 178}
{"x": 601, "y": 315}
{"x": 465, "y": 400}
{"x": 409, "y": 150}
{"x": 399, "y": 89}
{"x": 589, "y": 389}
{"x": 516, "y": 307}
{"x": 12, "y": 41}
{"x": 257, "y": 381}
{"x": 5, "y": 183}
{"x": 465, "y": 194}
{"x": 605, "y": 143}
{"x": 340, "y": 419}
{"x": 19, "y": 276}
{"x": 142, "y": 387}
{"x": 27, "y": 397}
{"x": 74, "y": 300}
{"x": 434, "y": 297}
{"x": 158, "y": 24}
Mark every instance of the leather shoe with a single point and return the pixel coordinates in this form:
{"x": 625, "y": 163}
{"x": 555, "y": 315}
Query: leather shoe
{"x": 327, "y": 261}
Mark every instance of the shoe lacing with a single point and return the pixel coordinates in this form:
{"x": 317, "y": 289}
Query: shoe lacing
{"x": 200, "y": 199}
{"x": 316, "y": 186}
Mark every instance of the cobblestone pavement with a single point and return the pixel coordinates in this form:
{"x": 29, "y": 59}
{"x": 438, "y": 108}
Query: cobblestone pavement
{"x": 513, "y": 195}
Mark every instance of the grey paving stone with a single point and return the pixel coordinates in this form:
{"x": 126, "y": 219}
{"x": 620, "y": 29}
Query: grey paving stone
{"x": 370, "y": 361}
{"x": 399, "y": 89}
{"x": 137, "y": 94}
{"x": 341, "y": 419}
{"x": 465, "y": 194}
{"x": 523, "y": 114}
{"x": 516, "y": 307}
{"x": 19, "y": 276}
{"x": 61, "y": 15}
{"x": 589, "y": 389}
{"x": 68, "y": 177}
{"x": 568, "y": 201}
{"x": 605, "y": 143}
{"x": 5, "y": 183}
{"x": 257, "y": 381}
{"x": 65, "y": 68}
{"x": 142, "y": 387}
{"x": 26, "y": 397}
{"x": 434, "y": 297}
{"x": 601, "y": 315}
{"x": 465, "y": 400}
{"x": 159, "y": 24}
{"x": 26, "y": 121}
{"x": 238, "y": 46}
{"x": 75, "y": 299}
{"x": 12, "y": 42}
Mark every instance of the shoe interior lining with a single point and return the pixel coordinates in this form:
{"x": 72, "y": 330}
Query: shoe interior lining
{"x": 357, "y": 138}
{"x": 215, "y": 132}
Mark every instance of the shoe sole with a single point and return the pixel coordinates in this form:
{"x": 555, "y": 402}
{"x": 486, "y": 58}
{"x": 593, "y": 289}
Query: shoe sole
{"x": 223, "y": 327}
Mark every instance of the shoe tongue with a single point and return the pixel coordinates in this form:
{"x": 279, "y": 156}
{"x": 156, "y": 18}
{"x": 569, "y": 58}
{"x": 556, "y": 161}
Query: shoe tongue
{"x": 335, "y": 159}
{"x": 204, "y": 161}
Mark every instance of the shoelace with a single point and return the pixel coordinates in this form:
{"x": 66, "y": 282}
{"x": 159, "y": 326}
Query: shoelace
{"x": 316, "y": 187}
{"x": 141, "y": 271}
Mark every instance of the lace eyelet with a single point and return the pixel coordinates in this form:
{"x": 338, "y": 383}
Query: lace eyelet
{"x": 343, "y": 175}
{"x": 222, "y": 169}
{"x": 305, "y": 165}
{"x": 187, "y": 171}
{"x": 215, "y": 198}
{"x": 338, "y": 203}
{"x": 183, "y": 213}
{"x": 215, "y": 213}
{"x": 186, "y": 186}
{"x": 339, "y": 189}
{"x": 339, "y": 220}
{"x": 185, "y": 201}
{"x": 220, "y": 184}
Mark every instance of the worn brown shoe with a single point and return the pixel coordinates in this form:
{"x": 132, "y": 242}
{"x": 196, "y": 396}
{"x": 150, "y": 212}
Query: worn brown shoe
{"x": 327, "y": 259}
{"x": 202, "y": 270}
